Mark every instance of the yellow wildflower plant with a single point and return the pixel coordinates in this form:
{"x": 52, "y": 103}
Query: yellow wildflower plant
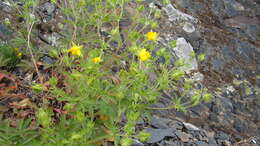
{"x": 75, "y": 50}
{"x": 96, "y": 59}
{"x": 144, "y": 55}
{"x": 152, "y": 36}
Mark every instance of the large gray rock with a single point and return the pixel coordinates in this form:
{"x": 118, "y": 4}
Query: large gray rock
{"x": 159, "y": 134}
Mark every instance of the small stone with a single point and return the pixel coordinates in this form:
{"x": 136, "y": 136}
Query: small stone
{"x": 226, "y": 143}
{"x": 48, "y": 8}
{"x": 188, "y": 27}
{"x": 48, "y": 60}
{"x": 176, "y": 125}
{"x": 222, "y": 136}
{"x": 190, "y": 126}
{"x": 240, "y": 126}
{"x": 230, "y": 89}
{"x": 184, "y": 137}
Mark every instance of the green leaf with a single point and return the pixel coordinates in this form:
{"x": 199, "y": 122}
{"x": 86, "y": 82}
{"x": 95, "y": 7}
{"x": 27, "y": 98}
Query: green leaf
{"x": 173, "y": 43}
{"x": 126, "y": 142}
{"x": 38, "y": 88}
{"x": 179, "y": 62}
{"x": 178, "y": 74}
{"x": 43, "y": 117}
{"x": 207, "y": 97}
{"x": 144, "y": 136}
{"x": 201, "y": 57}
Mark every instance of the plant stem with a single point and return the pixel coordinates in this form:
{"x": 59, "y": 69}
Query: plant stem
{"x": 31, "y": 53}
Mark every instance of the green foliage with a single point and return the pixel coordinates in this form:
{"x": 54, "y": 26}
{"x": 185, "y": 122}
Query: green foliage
{"x": 22, "y": 134}
{"x": 10, "y": 53}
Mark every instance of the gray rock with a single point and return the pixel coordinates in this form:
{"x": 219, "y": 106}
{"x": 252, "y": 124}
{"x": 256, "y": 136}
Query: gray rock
{"x": 48, "y": 8}
{"x": 222, "y": 136}
{"x": 171, "y": 143}
{"x": 190, "y": 144}
{"x": 47, "y": 11}
{"x": 176, "y": 15}
{"x": 184, "y": 137}
{"x": 5, "y": 7}
{"x": 176, "y": 125}
{"x": 212, "y": 142}
{"x": 188, "y": 27}
{"x": 160, "y": 123}
{"x": 159, "y": 134}
{"x": 48, "y": 60}
{"x": 201, "y": 143}
{"x": 240, "y": 125}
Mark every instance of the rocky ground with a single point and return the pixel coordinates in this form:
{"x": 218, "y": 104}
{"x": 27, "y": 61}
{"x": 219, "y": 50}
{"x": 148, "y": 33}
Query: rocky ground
{"x": 227, "y": 31}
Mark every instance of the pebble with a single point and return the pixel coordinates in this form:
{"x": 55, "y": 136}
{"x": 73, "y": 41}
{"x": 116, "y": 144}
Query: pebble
{"x": 190, "y": 126}
{"x": 184, "y": 137}
{"x": 188, "y": 27}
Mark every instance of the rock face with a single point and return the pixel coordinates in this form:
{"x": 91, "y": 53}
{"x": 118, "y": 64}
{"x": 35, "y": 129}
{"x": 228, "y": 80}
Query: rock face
{"x": 227, "y": 32}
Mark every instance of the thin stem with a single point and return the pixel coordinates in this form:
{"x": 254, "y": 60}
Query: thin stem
{"x": 31, "y": 53}
{"x": 161, "y": 108}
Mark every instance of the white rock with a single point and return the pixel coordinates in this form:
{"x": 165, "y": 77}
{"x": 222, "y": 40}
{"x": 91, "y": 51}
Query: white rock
{"x": 230, "y": 89}
{"x": 176, "y": 15}
{"x": 188, "y": 27}
{"x": 183, "y": 50}
{"x": 190, "y": 126}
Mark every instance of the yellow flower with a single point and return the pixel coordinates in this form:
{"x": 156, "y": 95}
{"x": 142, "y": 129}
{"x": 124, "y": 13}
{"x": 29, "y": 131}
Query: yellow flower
{"x": 152, "y": 36}
{"x": 144, "y": 55}
{"x": 19, "y": 55}
{"x": 96, "y": 59}
{"x": 75, "y": 50}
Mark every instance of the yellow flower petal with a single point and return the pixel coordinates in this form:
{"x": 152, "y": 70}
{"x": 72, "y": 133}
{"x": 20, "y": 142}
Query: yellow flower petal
{"x": 144, "y": 55}
{"x": 75, "y": 50}
{"x": 152, "y": 36}
{"x": 19, "y": 55}
{"x": 96, "y": 59}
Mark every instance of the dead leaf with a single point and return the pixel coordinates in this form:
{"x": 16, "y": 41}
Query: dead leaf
{"x": 7, "y": 83}
{"x": 25, "y": 103}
